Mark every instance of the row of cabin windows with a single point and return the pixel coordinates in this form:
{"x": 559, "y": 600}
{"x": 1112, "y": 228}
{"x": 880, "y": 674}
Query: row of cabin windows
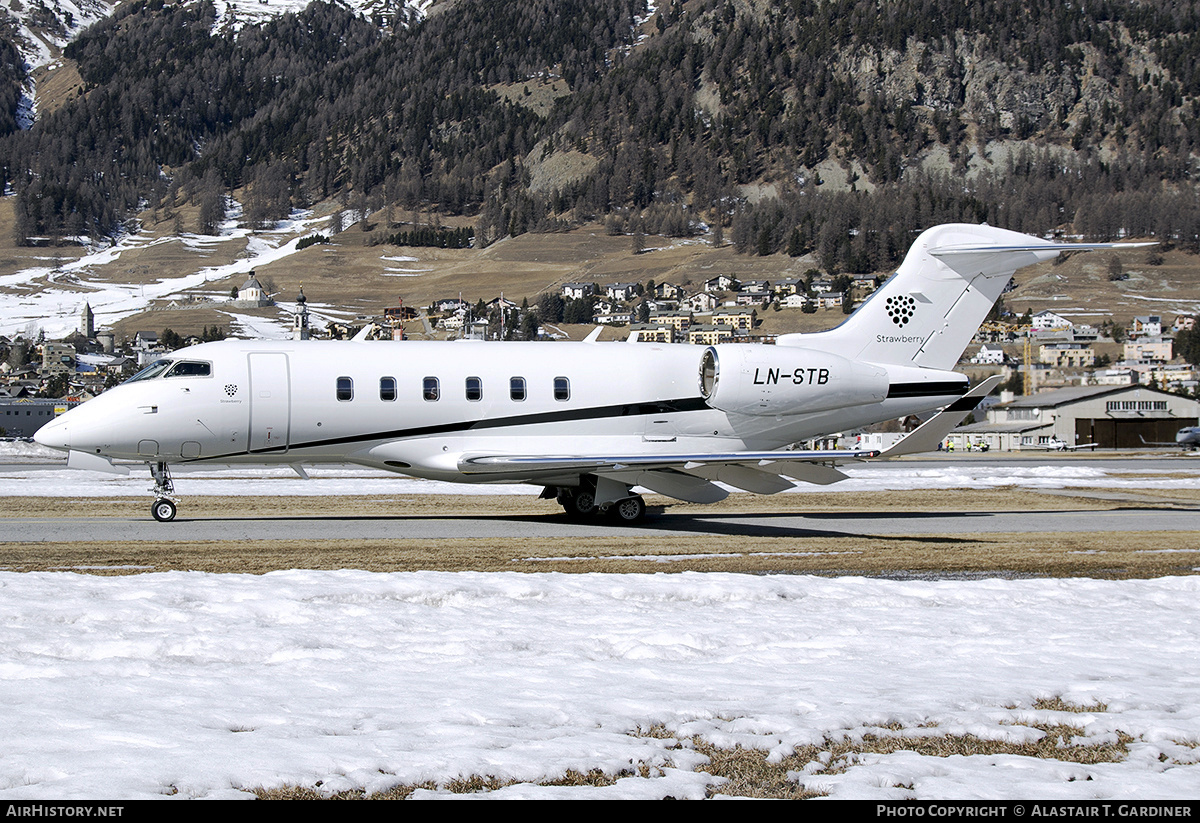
{"x": 431, "y": 389}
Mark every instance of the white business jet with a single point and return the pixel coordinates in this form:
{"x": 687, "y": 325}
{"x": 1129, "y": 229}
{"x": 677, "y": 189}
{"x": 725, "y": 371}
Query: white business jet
{"x": 590, "y": 422}
{"x": 1188, "y": 437}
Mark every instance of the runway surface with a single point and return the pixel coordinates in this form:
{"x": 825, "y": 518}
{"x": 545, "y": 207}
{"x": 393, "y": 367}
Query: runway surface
{"x": 1131, "y": 487}
{"x": 557, "y": 527}
{"x": 1127, "y": 510}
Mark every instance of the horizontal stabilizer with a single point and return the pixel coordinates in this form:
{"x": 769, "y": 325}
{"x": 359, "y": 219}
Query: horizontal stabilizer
{"x": 965, "y": 249}
{"x": 927, "y": 436}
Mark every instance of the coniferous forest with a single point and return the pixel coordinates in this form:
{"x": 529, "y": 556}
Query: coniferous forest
{"x": 679, "y": 115}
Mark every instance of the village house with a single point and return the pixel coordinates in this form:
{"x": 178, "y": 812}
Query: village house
{"x": 750, "y": 299}
{"x": 989, "y": 355}
{"x": 710, "y": 334}
{"x": 621, "y": 291}
{"x": 667, "y": 291}
{"x": 1152, "y": 349}
{"x": 653, "y": 333}
{"x": 791, "y": 285}
{"x": 830, "y": 300}
{"x": 1049, "y": 321}
{"x": 678, "y": 320}
{"x": 448, "y": 304}
{"x": 759, "y": 287}
{"x": 1066, "y": 355}
{"x": 615, "y": 318}
{"x": 1111, "y": 377}
{"x": 1150, "y": 326}
{"x": 58, "y": 358}
{"x": 744, "y": 319}
{"x": 722, "y": 282}
{"x": 578, "y": 291}
{"x": 700, "y": 303}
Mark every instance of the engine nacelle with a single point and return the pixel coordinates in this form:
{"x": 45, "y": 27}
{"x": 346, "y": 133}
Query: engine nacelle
{"x": 769, "y": 380}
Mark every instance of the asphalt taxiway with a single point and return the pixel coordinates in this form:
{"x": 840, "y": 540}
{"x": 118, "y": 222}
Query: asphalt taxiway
{"x": 784, "y": 516}
{"x": 557, "y": 527}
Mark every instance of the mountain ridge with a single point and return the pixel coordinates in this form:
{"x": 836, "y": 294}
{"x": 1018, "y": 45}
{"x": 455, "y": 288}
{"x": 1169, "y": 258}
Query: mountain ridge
{"x": 858, "y": 122}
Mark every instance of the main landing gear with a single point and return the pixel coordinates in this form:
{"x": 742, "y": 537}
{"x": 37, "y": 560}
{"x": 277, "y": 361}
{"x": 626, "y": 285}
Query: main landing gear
{"x": 165, "y": 503}
{"x": 580, "y": 503}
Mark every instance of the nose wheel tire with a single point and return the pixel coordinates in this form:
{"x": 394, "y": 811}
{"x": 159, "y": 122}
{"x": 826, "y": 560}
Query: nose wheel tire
{"x": 163, "y": 510}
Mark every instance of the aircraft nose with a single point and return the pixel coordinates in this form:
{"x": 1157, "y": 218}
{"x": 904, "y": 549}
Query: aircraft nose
{"x": 54, "y": 434}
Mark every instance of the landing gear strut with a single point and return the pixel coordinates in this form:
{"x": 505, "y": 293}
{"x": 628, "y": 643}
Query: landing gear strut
{"x": 164, "y": 507}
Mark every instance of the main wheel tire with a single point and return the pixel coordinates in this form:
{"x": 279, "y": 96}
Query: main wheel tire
{"x": 581, "y": 504}
{"x": 163, "y": 510}
{"x": 629, "y": 510}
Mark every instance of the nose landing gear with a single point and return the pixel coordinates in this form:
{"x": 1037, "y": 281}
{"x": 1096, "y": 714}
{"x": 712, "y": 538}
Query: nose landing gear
{"x": 165, "y": 503}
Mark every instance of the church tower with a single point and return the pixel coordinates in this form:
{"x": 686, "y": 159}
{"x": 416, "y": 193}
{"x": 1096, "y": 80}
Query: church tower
{"x": 300, "y": 330}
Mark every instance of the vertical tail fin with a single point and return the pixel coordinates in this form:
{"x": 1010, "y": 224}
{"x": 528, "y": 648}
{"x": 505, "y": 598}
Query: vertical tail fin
{"x": 927, "y": 313}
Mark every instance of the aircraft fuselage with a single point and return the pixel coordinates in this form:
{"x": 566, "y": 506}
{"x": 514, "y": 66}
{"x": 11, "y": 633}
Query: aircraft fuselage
{"x": 418, "y": 407}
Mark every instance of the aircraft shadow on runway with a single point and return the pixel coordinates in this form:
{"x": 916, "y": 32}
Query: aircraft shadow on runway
{"x": 755, "y": 524}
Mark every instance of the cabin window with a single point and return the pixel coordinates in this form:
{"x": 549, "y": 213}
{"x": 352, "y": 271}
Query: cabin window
{"x": 345, "y": 388}
{"x": 516, "y": 388}
{"x": 474, "y": 389}
{"x": 431, "y": 389}
{"x": 190, "y": 368}
{"x": 387, "y": 388}
{"x": 562, "y": 388}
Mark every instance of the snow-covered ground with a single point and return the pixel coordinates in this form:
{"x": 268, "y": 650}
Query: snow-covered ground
{"x": 49, "y": 298}
{"x": 205, "y": 685}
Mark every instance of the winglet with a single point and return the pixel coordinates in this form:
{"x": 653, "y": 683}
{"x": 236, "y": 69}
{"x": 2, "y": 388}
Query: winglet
{"x": 593, "y": 335}
{"x": 925, "y": 438}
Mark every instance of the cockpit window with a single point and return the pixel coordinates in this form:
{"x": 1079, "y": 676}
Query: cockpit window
{"x": 150, "y": 372}
{"x": 191, "y": 368}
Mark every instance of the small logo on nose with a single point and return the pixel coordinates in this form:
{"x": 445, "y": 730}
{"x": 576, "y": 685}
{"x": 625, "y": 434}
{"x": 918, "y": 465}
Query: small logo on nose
{"x": 230, "y": 389}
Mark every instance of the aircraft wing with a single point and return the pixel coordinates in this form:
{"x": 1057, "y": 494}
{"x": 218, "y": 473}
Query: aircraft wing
{"x": 1062, "y": 447}
{"x": 690, "y": 476}
{"x": 1176, "y": 443}
{"x": 682, "y": 476}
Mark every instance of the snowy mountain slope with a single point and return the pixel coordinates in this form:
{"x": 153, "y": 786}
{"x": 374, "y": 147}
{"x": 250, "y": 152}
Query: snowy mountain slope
{"x": 42, "y": 28}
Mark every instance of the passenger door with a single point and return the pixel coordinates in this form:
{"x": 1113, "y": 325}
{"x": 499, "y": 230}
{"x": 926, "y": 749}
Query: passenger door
{"x": 270, "y": 402}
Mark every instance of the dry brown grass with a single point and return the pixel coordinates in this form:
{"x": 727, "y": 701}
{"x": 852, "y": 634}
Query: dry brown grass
{"x": 705, "y": 548}
{"x": 745, "y": 772}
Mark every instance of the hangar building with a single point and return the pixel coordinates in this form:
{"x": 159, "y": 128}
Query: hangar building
{"x": 1112, "y": 417}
